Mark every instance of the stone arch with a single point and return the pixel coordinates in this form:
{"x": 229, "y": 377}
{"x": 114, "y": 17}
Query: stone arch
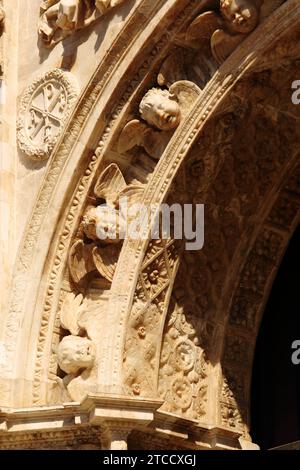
{"x": 65, "y": 191}
{"x": 71, "y": 170}
{"x": 138, "y": 368}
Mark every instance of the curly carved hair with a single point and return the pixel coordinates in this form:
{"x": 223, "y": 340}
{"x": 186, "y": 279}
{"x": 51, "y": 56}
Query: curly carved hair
{"x": 148, "y": 101}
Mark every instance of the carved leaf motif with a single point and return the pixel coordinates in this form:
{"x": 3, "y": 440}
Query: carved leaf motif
{"x": 187, "y": 93}
{"x": 203, "y": 26}
{"x": 80, "y": 260}
{"x": 105, "y": 259}
{"x": 223, "y": 44}
{"x": 69, "y": 313}
{"x": 109, "y": 185}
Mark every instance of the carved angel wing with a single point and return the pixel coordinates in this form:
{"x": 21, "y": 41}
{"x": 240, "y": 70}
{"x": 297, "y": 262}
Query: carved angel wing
{"x": 132, "y": 135}
{"x": 142, "y": 135}
{"x": 223, "y": 44}
{"x": 132, "y": 193}
{"x": 203, "y": 26}
{"x": 80, "y": 260}
{"x": 173, "y": 69}
{"x": 109, "y": 185}
{"x": 90, "y": 312}
{"x": 187, "y": 93}
{"x": 69, "y": 313}
{"x": 105, "y": 259}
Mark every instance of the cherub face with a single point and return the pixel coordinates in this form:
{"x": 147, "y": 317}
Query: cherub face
{"x": 75, "y": 353}
{"x": 242, "y": 15}
{"x": 161, "y": 111}
{"x": 103, "y": 223}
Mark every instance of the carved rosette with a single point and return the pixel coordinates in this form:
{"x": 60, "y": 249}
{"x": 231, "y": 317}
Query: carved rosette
{"x": 45, "y": 107}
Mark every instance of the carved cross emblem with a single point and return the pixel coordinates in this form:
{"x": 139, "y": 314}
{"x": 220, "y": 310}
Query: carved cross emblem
{"x": 45, "y": 107}
{"x": 46, "y": 113}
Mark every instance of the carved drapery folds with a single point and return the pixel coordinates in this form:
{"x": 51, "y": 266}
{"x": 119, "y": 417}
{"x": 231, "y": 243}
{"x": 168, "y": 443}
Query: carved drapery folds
{"x": 60, "y": 18}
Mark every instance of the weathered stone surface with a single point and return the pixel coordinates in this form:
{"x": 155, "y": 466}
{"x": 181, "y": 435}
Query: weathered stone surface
{"x": 139, "y": 341}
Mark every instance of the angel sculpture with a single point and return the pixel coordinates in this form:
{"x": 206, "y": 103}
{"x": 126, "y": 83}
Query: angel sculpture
{"x": 161, "y": 112}
{"x": 104, "y": 227}
{"x": 59, "y": 18}
{"x": 228, "y": 28}
{"x": 76, "y": 352}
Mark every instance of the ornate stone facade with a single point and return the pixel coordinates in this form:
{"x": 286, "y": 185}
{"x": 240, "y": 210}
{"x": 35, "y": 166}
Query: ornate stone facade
{"x": 105, "y": 340}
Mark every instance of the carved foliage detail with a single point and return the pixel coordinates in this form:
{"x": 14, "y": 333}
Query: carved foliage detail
{"x": 183, "y": 368}
{"x": 147, "y": 317}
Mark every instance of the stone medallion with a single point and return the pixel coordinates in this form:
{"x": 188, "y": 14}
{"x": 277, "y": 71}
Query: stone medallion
{"x": 44, "y": 109}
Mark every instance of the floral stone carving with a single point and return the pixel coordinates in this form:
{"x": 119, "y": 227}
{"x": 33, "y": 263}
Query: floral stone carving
{"x": 44, "y": 109}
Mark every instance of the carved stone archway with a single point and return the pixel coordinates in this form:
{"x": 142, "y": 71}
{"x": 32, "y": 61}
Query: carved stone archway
{"x": 142, "y": 317}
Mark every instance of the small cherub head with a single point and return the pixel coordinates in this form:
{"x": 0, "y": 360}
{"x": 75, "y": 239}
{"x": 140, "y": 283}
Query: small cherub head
{"x": 75, "y": 353}
{"x": 241, "y": 15}
{"x": 160, "y": 109}
{"x": 103, "y": 223}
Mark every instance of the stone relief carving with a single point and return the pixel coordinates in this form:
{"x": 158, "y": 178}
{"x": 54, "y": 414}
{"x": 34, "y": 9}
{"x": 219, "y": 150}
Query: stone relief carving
{"x": 233, "y": 150}
{"x": 44, "y": 109}
{"x": 103, "y": 73}
{"x": 161, "y": 111}
{"x": 227, "y": 27}
{"x": 140, "y": 355}
{"x": 183, "y": 368}
{"x": 76, "y": 352}
{"x": 230, "y": 24}
{"x": 99, "y": 238}
{"x": 60, "y": 18}
{"x": 211, "y": 38}
{"x": 208, "y": 41}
